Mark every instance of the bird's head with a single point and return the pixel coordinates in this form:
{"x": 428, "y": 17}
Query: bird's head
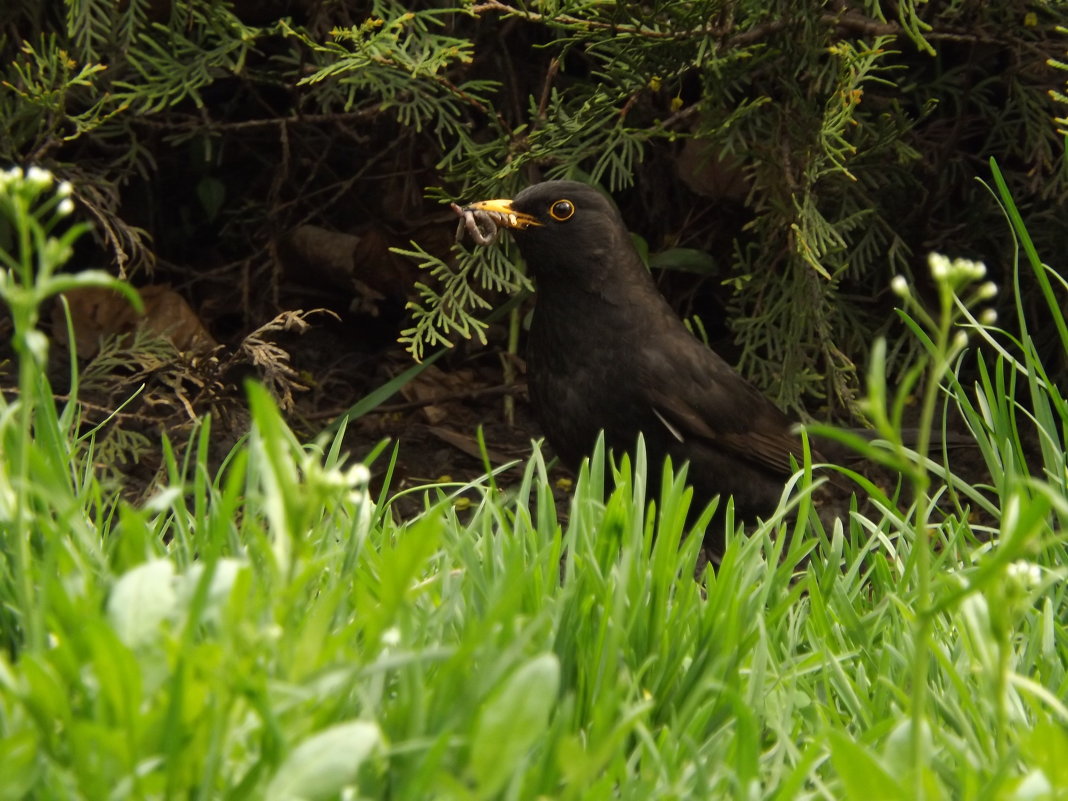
{"x": 564, "y": 228}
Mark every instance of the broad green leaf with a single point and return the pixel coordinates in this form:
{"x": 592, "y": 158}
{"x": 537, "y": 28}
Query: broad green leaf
{"x": 687, "y": 260}
{"x": 18, "y": 756}
{"x": 223, "y": 577}
{"x": 512, "y": 719}
{"x": 1034, "y": 787}
{"x": 1046, "y": 749}
{"x": 142, "y": 599}
{"x": 863, "y": 775}
{"x": 211, "y": 192}
{"x": 325, "y": 763}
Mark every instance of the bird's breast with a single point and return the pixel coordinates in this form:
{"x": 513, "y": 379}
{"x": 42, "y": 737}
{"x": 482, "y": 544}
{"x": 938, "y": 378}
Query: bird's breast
{"x": 582, "y": 377}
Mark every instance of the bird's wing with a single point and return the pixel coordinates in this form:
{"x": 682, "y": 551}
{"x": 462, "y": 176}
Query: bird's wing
{"x": 771, "y": 446}
{"x": 698, "y": 396}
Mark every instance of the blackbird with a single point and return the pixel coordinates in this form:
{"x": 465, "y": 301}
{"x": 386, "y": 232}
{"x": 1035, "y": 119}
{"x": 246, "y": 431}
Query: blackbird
{"x": 607, "y": 352}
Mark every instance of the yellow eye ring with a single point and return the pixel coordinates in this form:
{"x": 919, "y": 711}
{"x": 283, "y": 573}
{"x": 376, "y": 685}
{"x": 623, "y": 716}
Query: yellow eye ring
{"x": 562, "y": 210}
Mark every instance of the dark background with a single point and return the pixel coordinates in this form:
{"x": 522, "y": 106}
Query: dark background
{"x": 779, "y": 163}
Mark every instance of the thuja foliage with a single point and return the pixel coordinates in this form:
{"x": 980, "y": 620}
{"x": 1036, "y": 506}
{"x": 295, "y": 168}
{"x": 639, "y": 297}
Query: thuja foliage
{"x": 811, "y": 150}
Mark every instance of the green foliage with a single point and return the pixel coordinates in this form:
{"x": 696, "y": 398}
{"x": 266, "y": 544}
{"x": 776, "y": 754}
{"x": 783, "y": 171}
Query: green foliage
{"x": 447, "y": 307}
{"x": 399, "y": 63}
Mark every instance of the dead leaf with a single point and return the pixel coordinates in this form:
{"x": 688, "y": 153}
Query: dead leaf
{"x": 97, "y": 313}
{"x": 361, "y": 264}
{"x": 435, "y": 383}
{"x": 709, "y": 173}
{"x": 468, "y": 445}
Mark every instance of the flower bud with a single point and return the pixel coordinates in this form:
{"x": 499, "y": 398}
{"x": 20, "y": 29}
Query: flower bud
{"x": 38, "y": 176}
{"x": 939, "y": 266}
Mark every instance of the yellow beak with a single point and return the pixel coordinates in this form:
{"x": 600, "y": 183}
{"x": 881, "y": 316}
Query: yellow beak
{"x": 503, "y": 214}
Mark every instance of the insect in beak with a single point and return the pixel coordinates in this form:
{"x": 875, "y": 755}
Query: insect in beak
{"x": 484, "y": 219}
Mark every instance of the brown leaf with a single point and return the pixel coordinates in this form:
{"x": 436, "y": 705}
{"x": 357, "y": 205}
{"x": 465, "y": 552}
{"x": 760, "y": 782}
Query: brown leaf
{"x": 467, "y": 444}
{"x": 709, "y": 173}
{"x": 435, "y": 383}
{"x": 360, "y": 263}
{"x": 97, "y": 313}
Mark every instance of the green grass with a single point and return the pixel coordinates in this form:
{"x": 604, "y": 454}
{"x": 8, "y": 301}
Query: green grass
{"x": 269, "y": 630}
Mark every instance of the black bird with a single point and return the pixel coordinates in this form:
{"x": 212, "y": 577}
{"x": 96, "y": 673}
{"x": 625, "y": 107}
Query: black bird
{"x": 606, "y": 351}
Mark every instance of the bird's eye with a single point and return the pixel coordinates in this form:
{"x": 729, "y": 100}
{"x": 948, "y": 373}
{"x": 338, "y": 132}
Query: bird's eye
{"x": 562, "y": 210}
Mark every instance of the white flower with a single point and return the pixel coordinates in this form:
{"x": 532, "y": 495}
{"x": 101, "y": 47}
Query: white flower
{"x": 900, "y": 286}
{"x": 957, "y": 271}
{"x": 939, "y": 265}
{"x": 988, "y": 317}
{"x": 65, "y": 189}
{"x": 41, "y": 177}
{"x": 974, "y": 270}
{"x": 358, "y": 476}
{"x": 1026, "y": 573}
{"x": 65, "y": 207}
